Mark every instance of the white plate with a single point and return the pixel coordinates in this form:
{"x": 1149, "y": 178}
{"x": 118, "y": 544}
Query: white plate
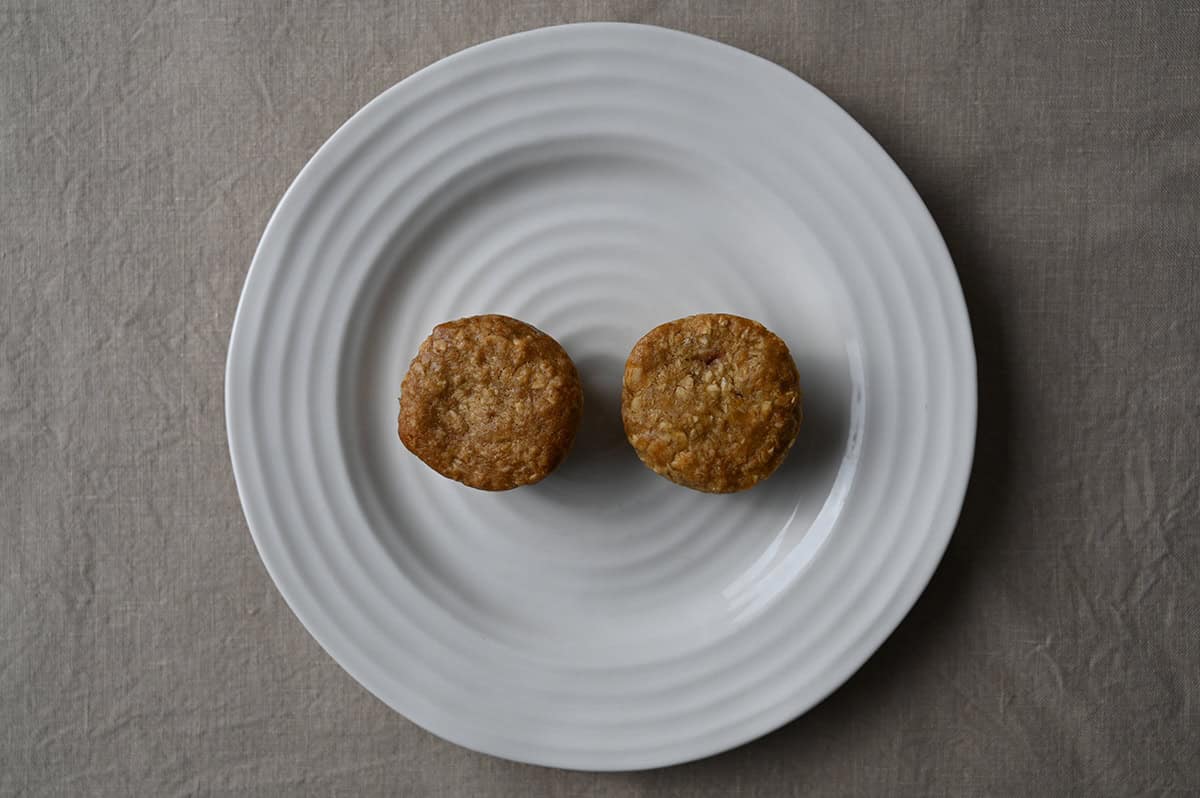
{"x": 597, "y": 180}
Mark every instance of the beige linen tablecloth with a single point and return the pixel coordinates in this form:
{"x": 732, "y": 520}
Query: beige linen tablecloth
{"x": 144, "y": 650}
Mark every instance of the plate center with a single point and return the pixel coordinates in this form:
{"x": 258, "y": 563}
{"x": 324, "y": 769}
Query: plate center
{"x": 596, "y": 245}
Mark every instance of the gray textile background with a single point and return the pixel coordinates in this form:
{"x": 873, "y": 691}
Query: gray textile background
{"x": 143, "y": 649}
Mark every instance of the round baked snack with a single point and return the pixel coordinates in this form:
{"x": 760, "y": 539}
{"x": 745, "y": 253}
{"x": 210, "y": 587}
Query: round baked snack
{"x": 711, "y": 402}
{"x": 490, "y": 401}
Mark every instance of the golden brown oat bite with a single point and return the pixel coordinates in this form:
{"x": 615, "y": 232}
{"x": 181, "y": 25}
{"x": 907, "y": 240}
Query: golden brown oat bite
{"x": 490, "y": 401}
{"x": 711, "y": 402}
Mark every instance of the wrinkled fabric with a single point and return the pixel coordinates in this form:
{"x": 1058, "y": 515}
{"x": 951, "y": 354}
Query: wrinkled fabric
{"x": 143, "y": 648}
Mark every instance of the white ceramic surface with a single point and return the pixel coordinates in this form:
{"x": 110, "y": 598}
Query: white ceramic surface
{"x": 597, "y": 180}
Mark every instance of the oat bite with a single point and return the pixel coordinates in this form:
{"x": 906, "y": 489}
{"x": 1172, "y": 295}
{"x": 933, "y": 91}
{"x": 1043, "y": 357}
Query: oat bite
{"x": 711, "y": 402}
{"x": 491, "y": 402}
